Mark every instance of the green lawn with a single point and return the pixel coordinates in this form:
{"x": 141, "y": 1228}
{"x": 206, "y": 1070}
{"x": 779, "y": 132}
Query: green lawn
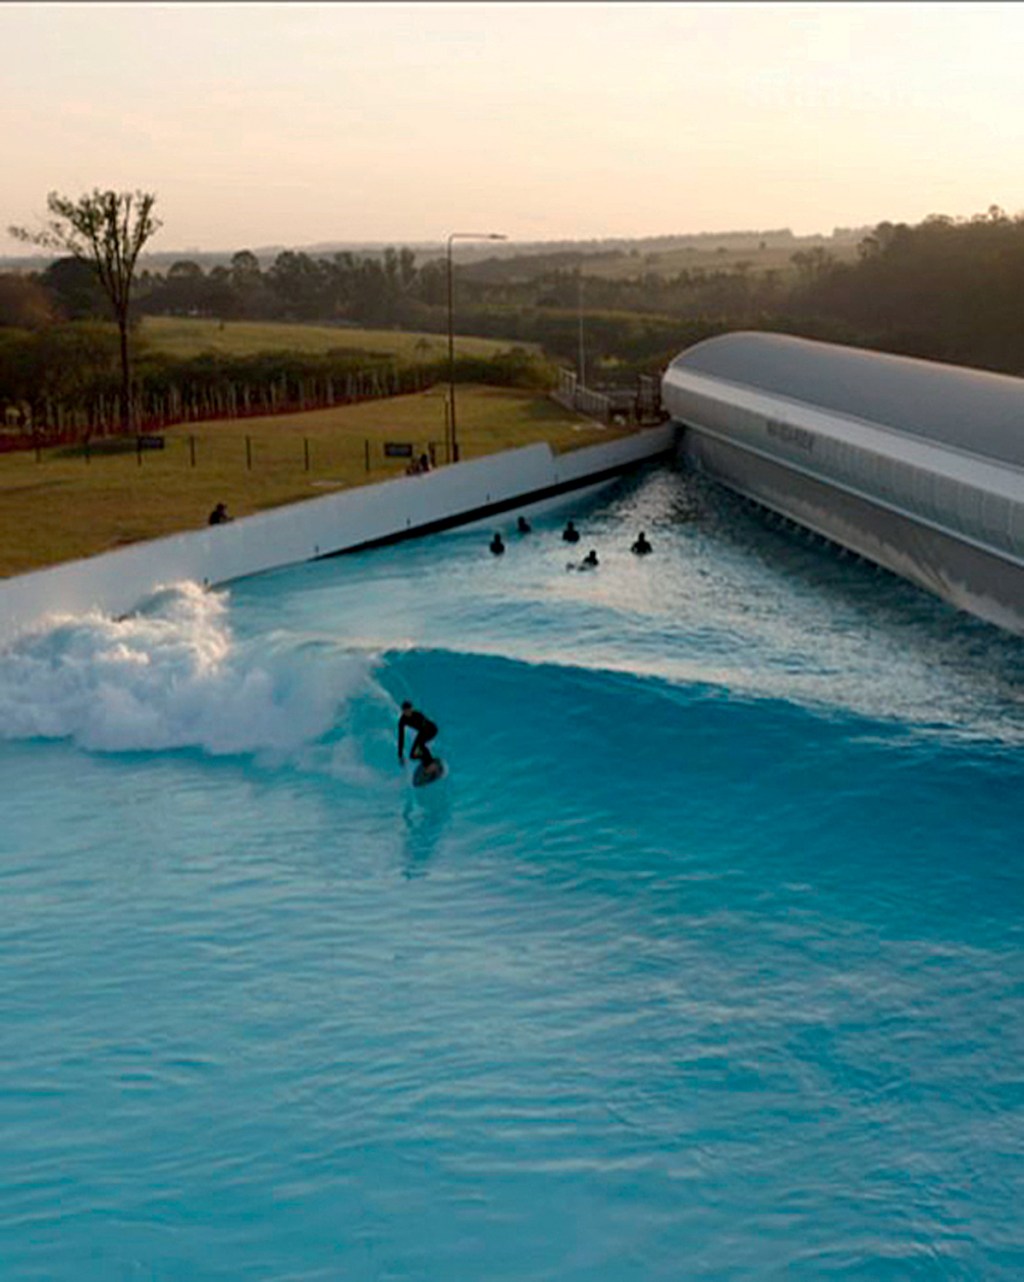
{"x": 184, "y": 337}
{"x": 64, "y": 507}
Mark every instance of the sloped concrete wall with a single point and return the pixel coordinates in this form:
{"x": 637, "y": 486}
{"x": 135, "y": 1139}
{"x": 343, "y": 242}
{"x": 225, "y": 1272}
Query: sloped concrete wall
{"x": 117, "y": 582}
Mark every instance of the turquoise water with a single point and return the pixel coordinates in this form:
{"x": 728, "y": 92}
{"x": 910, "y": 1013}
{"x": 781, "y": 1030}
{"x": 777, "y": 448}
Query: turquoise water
{"x": 705, "y": 961}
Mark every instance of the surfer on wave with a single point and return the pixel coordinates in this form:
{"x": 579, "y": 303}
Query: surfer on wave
{"x": 424, "y": 730}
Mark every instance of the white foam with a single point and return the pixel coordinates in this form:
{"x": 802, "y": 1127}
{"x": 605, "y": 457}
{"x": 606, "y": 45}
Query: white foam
{"x": 173, "y": 676}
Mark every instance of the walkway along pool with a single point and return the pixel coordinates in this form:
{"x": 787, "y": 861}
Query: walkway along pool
{"x": 705, "y": 960}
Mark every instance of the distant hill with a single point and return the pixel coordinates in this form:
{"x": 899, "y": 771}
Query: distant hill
{"x": 555, "y": 253}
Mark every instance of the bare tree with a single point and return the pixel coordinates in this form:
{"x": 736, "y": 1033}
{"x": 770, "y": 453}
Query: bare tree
{"x": 107, "y": 229}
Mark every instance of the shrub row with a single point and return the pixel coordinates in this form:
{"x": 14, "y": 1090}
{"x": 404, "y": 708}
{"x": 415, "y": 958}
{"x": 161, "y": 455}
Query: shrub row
{"x": 62, "y": 383}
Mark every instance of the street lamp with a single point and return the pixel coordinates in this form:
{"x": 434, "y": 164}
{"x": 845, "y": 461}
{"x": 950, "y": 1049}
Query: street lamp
{"x": 458, "y": 235}
{"x": 581, "y": 368}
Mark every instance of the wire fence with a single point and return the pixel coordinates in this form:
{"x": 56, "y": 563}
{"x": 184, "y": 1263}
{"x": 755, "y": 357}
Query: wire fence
{"x": 269, "y": 452}
{"x": 53, "y": 423}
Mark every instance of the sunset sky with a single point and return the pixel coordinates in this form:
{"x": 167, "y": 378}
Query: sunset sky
{"x": 275, "y": 124}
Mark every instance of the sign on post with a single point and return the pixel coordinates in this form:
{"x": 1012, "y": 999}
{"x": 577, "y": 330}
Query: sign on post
{"x": 398, "y": 449}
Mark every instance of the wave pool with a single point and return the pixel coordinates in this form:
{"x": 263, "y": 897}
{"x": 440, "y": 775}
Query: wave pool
{"x": 705, "y": 961}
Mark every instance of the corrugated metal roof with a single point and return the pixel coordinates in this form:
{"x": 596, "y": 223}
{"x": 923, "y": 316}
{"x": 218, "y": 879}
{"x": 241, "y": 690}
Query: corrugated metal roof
{"x": 972, "y": 410}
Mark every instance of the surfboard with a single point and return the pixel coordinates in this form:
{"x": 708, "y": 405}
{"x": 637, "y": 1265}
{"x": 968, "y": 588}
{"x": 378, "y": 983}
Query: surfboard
{"x": 423, "y": 775}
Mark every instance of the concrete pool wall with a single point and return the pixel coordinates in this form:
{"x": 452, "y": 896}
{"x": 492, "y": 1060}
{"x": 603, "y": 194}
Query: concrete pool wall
{"x": 117, "y": 582}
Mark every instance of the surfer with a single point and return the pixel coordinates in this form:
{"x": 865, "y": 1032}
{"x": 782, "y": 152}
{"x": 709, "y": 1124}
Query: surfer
{"x": 570, "y": 534}
{"x": 523, "y": 525}
{"x": 641, "y": 547}
{"x": 424, "y": 730}
{"x": 589, "y": 562}
{"x": 497, "y": 545}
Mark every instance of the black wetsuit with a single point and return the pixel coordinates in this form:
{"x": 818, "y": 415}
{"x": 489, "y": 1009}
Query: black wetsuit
{"x": 425, "y": 731}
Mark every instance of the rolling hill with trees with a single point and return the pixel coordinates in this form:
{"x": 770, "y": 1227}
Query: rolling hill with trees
{"x": 945, "y": 289}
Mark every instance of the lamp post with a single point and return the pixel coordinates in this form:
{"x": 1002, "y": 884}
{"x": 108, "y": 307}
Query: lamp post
{"x": 458, "y": 235}
{"x": 581, "y": 368}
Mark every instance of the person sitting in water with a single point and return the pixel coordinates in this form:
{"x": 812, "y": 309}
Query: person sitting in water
{"x": 570, "y": 534}
{"x": 424, "y": 730}
{"x": 523, "y": 525}
{"x": 641, "y": 547}
{"x": 497, "y": 545}
{"x": 589, "y": 562}
{"x": 219, "y": 515}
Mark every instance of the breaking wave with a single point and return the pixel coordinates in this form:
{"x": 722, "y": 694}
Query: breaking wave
{"x": 174, "y": 676}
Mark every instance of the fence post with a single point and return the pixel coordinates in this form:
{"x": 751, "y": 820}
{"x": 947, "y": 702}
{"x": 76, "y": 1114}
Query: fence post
{"x": 305, "y": 452}
{"x": 248, "y": 453}
{"x": 192, "y": 450}
{"x": 138, "y": 449}
{"x": 366, "y": 444}
{"x": 87, "y": 459}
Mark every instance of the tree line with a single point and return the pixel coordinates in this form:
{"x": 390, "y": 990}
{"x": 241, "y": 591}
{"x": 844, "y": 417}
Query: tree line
{"x": 62, "y": 383}
{"x": 945, "y": 289}
{"x": 367, "y": 291}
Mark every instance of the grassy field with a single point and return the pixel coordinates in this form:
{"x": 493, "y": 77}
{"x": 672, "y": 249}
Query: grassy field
{"x": 185, "y": 336}
{"x": 65, "y": 507}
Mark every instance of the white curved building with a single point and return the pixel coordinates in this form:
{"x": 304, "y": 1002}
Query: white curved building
{"x": 916, "y": 465}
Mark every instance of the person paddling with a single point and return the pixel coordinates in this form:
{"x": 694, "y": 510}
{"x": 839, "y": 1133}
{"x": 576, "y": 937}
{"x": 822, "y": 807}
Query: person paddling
{"x": 589, "y": 562}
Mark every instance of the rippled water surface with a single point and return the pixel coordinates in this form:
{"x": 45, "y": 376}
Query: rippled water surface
{"x": 705, "y": 961}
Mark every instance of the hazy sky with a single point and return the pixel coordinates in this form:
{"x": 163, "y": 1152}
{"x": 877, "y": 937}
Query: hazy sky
{"x": 267, "y": 124}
